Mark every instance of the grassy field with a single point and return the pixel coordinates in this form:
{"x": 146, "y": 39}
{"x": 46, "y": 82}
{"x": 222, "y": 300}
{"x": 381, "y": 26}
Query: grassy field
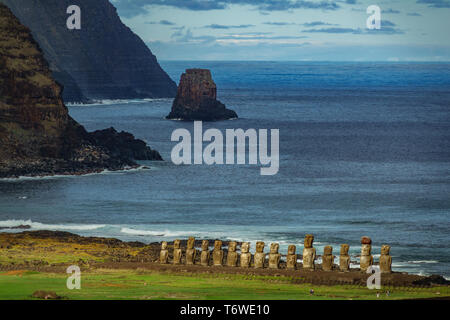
{"x": 108, "y": 284}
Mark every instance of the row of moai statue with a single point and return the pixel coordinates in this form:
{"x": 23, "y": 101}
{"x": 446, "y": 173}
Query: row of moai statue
{"x": 309, "y": 255}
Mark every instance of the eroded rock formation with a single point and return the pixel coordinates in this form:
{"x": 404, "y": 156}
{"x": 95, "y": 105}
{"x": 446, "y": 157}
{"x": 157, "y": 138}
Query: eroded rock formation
{"x": 327, "y": 258}
{"x": 37, "y": 135}
{"x": 164, "y": 254}
{"x": 344, "y": 258}
{"x": 246, "y": 256}
{"x": 197, "y": 99}
{"x": 385, "y": 259}
{"x": 309, "y": 253}
{"x": 291, "y": 258}
{"x": 217, "y": 254}
{"x": 274, "y": 256}
{"x": 205, "y": 254}
{"x": 190, "y": 251}
{"x": 177, "y": 254}
{"x": 260, "y": 256}
{"x": 232, "y": 256}
{"x": 366, "y": 259}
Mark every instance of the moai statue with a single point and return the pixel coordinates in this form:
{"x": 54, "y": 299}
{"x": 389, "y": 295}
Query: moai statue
{"x": 291, "y": 258}
{"x": 164, "y": 254}
{"x": 218, "y": 254}
{"x": 260, "y": 256}
{"x": 205, "y": 255}
{"x": 309, "y": 253}
{"x": 274, "y": 256}
{"x": 246, "y": 256}
{"x": 177, "y": 252}
{"x": 385, "y": 259}
{"x": 366, "y": 259}
{"x": 190, "y": 251}
{"x": 344, "y": 258}
{"x": 327, "y": 258}
{"x": 232, "y": 256}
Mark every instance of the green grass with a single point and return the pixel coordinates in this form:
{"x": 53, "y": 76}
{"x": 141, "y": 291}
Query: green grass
{"x": 127, "y": 284}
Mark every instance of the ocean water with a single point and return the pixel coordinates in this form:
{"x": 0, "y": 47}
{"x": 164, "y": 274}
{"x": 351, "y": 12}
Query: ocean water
{"x": 364, "y": 150}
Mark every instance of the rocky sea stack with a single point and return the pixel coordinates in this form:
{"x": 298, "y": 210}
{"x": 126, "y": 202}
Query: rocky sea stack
{"x": 37, "y": 135}
{"x": 197, "y": 99}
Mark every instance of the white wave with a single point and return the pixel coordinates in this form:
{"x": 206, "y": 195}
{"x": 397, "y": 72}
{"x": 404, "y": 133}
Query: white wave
{"x": 60, "y": 176}
{"x": 110, "y": 102}
{"x": 142, "y": 232}
{"x": 160, "y": 233}
{"x": 422, "y": 261}
{"x": 43, "y": 226}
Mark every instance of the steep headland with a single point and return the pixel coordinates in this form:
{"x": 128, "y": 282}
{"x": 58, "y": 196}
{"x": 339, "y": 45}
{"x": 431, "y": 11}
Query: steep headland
{"x": 103, "y": 60}
{"x": 197, "y": 99}
{"x": 37, "y": 135}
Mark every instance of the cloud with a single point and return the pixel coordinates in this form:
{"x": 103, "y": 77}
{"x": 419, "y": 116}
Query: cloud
{"x": 334, "y": 30}
{"x": 131, "y": 8}
{"x": 185, "y": 35}
{"x": 161, "y": 22}
{"x": 279, "y": 23}
{"x": 386, "y": 30}
{"x": 220, "y": 26}
{"x": 387, "y": 23}
{"x": 390, "y": 10}
{"x": 435, "y": 3}
{"x": 317, "y": 23}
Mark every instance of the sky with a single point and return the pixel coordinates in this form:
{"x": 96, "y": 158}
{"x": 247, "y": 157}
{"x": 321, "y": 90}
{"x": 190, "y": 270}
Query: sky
{"x": 300, "y": 30}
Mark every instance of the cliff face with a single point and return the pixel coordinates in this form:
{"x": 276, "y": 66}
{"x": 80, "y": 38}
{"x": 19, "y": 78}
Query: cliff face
{"x": 103, "y": 60}
{"x": 197, "y": 98}
{"x": 37, "y": 135}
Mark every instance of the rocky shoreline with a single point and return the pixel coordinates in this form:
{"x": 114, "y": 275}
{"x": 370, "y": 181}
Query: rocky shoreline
{"x": 37, "y": 135}
{"x": 49, "y": 251}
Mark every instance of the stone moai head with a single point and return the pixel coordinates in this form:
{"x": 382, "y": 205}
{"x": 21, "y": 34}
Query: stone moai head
{"x": 292, "y": 249}
{"x": 274, "y": 247}
{"x": 164, "y": 245}
{"x": 328, "y": 251}
{"x": 218, "y": 245}
{"x": 366, "y": 246}
{"x": 309, "y": 239}
{"x": 245, "y": 247}
{"x": 176, "y": 244}
{"x": 232, "y": 246}
{"x": 260, "y": 247}
{"x": 205, "y": 245}
{"x": 344, "y": 249}
{"x": 191, "y": 243}
{"x": 385, "y": 249}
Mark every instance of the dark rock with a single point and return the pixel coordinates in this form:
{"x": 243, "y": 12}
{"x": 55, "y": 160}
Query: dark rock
{"x": 432, "y": 280}
{"x": 103, "y": 60}
{"x": 197, "y": 99}
{"x": 47, "y": 295}
{"x": 37, "y": 135}
{"x": 124, "y": 144}
{"x": 22, "y": 226}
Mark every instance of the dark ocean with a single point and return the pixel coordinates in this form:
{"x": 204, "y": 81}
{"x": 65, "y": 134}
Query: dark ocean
{"x": 364, "y": 150}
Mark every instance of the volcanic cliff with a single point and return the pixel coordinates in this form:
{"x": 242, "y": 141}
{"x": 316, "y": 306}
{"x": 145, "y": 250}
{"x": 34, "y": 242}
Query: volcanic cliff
{"x": 197, "y": 99}
{"x": 37, "y": 135}
{"x": 103, "y": 60}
